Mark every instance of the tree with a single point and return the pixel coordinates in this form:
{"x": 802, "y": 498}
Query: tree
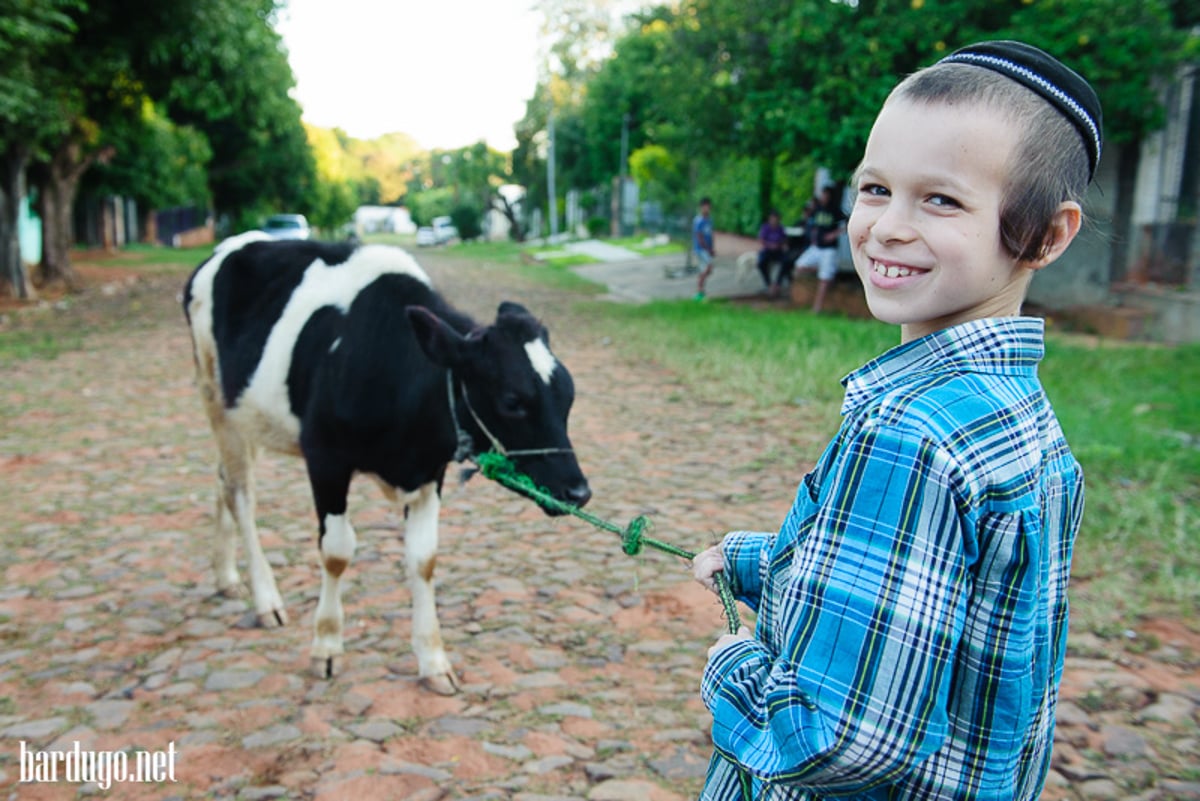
{"x": 227, "y": 75}
{"x": 93, "y": 86}
{"x": 751, "y": 81}
{"x": 29, "y": 29}
{"x": 465, "y": 184}
{"x": 157, "y": 163}
{"x": 334, "y": 200}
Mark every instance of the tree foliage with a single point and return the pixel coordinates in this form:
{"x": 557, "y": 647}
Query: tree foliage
{"x": 175, "y": 102}
{"x": 29, "y": 30}
{"x": 753, "y": 91}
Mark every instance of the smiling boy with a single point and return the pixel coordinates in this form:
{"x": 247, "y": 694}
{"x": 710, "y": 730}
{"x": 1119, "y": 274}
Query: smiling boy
{"x": 911, "y": 610}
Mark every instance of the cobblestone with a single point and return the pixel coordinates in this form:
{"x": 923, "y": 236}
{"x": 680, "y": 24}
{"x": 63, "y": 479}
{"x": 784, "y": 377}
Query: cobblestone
{"x": 580, "y": 666}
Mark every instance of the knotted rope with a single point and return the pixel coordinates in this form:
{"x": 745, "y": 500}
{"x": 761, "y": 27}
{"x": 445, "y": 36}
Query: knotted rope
{"x": 499, "y": 468}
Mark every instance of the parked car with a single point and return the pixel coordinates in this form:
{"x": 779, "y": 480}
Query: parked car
{"x": 426, "y": 237}
{"x": 287, "y": 226}
{"x": 444, "y": 230}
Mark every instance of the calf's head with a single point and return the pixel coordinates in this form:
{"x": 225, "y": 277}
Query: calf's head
{"x": 509, "y": 393}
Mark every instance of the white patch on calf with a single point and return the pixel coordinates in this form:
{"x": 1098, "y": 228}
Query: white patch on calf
{"x": 323, "y": 285}
{"x": 339, "y": 540}
{"x": 337, "y": 549}
{"x": 200, "y": 309}
{"x": 420, "y": 554}
{"x": 542, "y": 359}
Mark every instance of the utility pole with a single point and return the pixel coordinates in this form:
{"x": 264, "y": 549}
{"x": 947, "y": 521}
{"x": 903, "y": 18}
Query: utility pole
{"x": 550, "y": 177}
{"x": 624, "y": 171}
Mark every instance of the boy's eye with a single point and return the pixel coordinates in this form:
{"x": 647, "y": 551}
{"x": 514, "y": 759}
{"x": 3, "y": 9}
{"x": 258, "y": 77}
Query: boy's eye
{"x": 874, "y": 190}
{"x": 945, "y": 201}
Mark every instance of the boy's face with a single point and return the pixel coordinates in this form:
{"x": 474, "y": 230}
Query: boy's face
{"x": 925, "y": 228}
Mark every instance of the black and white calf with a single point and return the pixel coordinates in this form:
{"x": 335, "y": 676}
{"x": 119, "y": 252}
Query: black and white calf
{"x": 347, "y": 356}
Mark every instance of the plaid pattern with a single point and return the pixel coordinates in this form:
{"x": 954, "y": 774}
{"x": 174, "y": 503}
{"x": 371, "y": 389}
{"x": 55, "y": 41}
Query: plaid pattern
{"x": 912, "y": 610}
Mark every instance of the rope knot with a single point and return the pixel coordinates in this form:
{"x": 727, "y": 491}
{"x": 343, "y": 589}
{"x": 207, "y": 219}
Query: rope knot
{"x": 631, "y": 537}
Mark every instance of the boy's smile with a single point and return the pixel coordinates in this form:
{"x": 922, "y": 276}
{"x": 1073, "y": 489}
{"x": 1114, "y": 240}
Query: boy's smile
{"x": 925, "y": 228}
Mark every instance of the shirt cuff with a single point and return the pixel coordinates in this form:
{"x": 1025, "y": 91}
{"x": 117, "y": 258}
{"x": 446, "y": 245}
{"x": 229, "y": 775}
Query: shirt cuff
{"x": 744, "y": 553}
{"x": 728, "y": 663}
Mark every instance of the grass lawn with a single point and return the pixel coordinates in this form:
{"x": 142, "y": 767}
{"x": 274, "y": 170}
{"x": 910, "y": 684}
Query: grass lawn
{"x": 1130, "y": 412}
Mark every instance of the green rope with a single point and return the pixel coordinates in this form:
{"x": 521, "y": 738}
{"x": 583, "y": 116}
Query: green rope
{"x": 498, "y": 468}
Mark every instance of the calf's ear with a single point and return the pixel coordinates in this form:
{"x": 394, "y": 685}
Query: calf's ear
{"x": 509, "y": 307}
{"x": 441, "y": 343}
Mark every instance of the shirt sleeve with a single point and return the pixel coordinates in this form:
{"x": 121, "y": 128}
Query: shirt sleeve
{"x": 850, "y": 688}
{"x": 745, "y": 563}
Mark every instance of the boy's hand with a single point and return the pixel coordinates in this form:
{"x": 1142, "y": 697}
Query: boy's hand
{"x": 743, "y": 633}
{"x": 706, "y": 564}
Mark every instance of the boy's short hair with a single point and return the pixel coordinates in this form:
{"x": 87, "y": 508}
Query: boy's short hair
{"x": 705, "y": 201}
{"x": 1050, "y": 162}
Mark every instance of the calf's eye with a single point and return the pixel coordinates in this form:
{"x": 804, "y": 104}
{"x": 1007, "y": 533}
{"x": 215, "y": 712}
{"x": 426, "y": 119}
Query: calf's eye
{"x": 511, "y": 405}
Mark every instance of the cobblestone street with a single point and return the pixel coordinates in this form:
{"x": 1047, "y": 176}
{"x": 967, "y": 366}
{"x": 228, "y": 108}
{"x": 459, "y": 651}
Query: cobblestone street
{"x": 580, "y": 664}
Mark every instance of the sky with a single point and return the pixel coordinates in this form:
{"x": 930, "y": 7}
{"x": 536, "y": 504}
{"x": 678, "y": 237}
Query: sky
{"x": 446, "y": 72}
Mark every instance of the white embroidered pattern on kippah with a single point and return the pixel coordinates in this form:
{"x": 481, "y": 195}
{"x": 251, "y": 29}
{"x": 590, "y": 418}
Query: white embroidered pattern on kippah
{"x": 1011, "y": 66}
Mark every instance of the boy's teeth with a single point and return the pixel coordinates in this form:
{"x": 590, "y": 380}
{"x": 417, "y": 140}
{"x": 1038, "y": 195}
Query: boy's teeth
{"x": 892, "y": 271}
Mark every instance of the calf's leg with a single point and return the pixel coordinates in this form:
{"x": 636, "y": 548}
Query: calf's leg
{"x": 336, "y": 547}
{"x": 420, "y": 550}
{"x": 235, "y": 510}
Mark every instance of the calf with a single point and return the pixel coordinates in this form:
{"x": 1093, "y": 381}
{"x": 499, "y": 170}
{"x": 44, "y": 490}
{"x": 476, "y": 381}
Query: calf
{"x": 347, "y": 356}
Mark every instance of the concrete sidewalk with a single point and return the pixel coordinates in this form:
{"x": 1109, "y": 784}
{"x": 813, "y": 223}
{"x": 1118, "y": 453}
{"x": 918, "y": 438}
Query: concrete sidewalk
{"x": 632, "y": 278}
{"x": 665, "y": 278}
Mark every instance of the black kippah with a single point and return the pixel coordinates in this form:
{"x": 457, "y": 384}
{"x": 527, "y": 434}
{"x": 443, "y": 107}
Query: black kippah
{"x": 1035, "y": 69}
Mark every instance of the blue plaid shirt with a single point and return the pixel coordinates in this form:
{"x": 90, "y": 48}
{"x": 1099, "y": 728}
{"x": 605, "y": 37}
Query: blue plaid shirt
{"x": 912, "y": 610}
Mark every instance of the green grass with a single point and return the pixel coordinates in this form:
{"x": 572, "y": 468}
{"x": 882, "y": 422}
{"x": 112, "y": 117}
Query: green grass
{"x": 1132, "y": 416}
{"x": 752, "y": 360}
{"x": 1130, "y": 412}
{"x": 21, "y": 344}
{"x": 157, "y": 259}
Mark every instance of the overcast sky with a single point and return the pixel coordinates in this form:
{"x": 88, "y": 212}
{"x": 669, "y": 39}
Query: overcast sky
{"x": 446, "y": 72}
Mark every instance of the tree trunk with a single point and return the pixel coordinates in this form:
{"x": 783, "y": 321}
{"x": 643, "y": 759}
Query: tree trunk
{"x": 149, "y": 225}
{"x": 766, "y": 186}
{"x": 516, "y": 232}
{"x": 12, "y": 190}
{"x": 57, "y": 203}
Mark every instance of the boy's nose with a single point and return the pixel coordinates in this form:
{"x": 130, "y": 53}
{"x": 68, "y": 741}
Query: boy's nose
{"x": 893, "y": 223}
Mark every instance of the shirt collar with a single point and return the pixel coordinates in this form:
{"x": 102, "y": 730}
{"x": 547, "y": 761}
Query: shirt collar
{"x": 1002, "y": 345}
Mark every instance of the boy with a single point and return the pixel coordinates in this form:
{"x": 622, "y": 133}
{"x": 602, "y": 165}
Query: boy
{"x": 912, "y": 610}
{"x": 702, "y": 243}
{"x": 772, "y": 249}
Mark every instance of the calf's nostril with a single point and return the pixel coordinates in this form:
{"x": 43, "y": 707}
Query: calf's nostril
{"x": 579, "y": 494}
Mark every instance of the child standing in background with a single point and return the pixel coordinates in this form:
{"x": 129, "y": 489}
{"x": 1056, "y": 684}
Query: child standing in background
{"x": 702, "y": 243}
{"x": 912, "y": 610}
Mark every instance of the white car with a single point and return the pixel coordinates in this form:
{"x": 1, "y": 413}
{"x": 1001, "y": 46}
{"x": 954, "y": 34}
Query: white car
{"x": 287, "y": 226}
{"x": 444, "y": 230}
{"x": 426, "y": 237}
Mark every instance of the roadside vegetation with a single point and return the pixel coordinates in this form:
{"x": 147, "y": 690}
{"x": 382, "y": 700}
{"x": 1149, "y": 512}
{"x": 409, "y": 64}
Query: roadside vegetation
{"x": 1126, "y": 408}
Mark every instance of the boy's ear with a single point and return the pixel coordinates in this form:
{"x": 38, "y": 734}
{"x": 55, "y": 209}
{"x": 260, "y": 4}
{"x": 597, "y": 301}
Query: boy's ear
{"x": 1063, "y": 229}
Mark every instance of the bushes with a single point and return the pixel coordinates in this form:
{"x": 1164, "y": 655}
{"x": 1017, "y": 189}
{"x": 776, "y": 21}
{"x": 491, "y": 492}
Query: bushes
{"x": 468, "y": 220}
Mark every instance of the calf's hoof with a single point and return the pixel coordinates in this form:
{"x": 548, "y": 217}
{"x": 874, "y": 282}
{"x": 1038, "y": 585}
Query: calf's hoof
{"x": 327, "y": 667}
{"x": 272, "y": 618}
{"x": 442, "y": 683}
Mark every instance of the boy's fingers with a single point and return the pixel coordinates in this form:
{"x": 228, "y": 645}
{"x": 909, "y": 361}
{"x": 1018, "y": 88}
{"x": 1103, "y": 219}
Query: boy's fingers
{"x": 705, "y": 565}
